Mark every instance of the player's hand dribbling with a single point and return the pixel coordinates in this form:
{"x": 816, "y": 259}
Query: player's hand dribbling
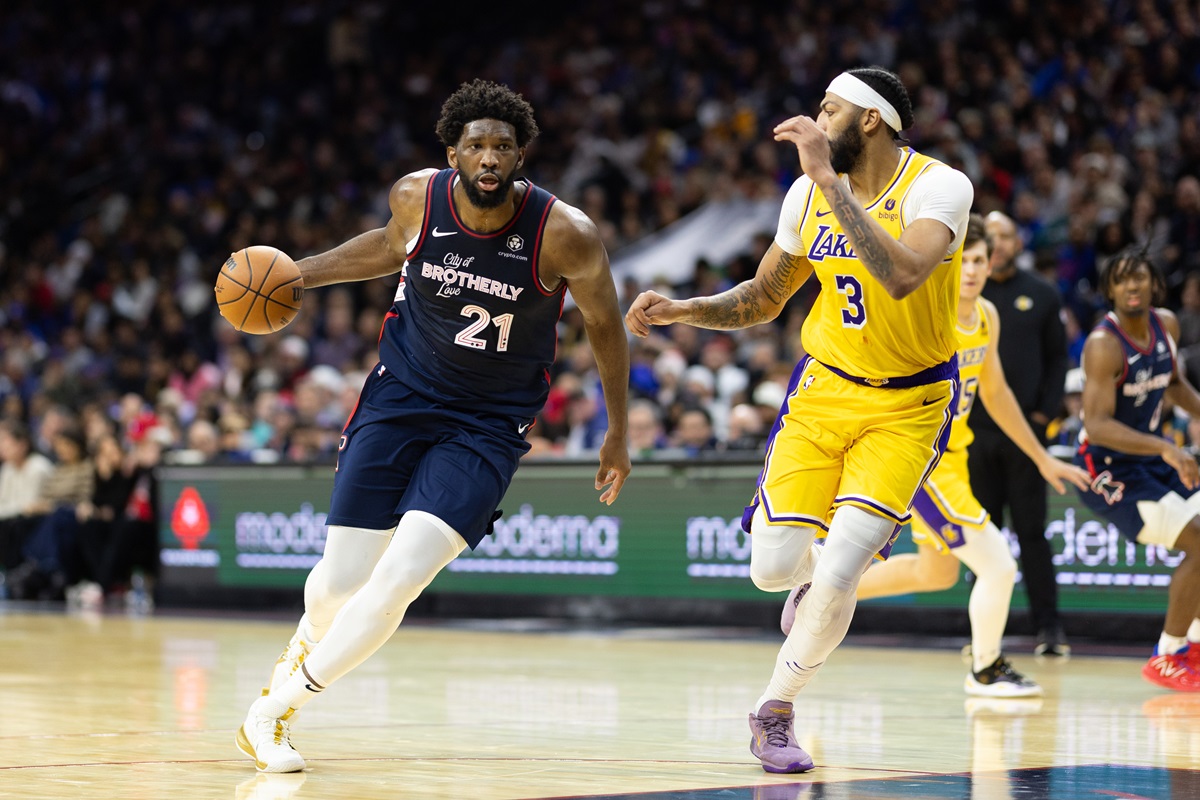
{"x": 651, "y": 308}
{"x": 811, "y": 144}
{"x": 1184, "y": 464}
{"x": 614, "y": 467}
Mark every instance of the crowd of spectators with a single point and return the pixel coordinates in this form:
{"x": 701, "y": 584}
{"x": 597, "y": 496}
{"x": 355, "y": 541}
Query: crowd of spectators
{"x": 141, "y": 142}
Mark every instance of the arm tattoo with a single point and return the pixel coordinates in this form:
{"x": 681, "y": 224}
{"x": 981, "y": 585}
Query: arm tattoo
{"x": 741, "y": 306}
{"x": 856, "y": 223}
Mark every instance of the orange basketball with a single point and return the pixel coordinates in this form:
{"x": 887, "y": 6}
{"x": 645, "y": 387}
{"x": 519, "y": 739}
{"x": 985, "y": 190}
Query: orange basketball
{"x": 259, "y": 289}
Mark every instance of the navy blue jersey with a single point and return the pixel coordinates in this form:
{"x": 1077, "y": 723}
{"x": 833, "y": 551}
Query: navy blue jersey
{"x": 472, "y": 325}
{"x": 1144, "y": 380}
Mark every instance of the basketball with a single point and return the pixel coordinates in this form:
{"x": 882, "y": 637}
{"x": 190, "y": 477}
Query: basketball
{"x": 259, "y": 289}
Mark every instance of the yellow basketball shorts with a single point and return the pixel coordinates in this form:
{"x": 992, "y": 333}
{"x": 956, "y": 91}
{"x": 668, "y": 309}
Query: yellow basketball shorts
{"x": 838, "y": 443}
{"x": 945, "y": 505}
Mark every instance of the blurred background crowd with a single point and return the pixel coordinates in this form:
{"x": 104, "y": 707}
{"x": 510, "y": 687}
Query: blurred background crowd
{"x": 141, "y": 142}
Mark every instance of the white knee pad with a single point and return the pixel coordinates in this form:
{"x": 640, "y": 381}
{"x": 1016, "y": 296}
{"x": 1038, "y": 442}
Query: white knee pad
{"x": 780, "y": 555}
{"x": 350, "y": 556}
{"x": 855, "y": 536}
{"x": 422, "y": 545}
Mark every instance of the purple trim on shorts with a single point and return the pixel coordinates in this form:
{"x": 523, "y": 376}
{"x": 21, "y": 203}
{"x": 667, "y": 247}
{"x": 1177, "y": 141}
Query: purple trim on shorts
{"x": 883, "y": 510}
{"x": 943, "y": 439}
{"x": 803, "y": 519}
{"x": 935, "y": 520}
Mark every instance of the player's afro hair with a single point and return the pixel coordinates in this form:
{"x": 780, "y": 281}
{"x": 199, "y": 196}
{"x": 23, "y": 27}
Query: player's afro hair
{"x": 482, "y": 99}
{"x": 1122, "y": 263}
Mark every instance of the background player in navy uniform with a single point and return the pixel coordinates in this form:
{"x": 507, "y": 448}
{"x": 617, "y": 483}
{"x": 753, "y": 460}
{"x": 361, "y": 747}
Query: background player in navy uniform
{"x": 1142, "y": 482}
{"x": 484, "y": 262}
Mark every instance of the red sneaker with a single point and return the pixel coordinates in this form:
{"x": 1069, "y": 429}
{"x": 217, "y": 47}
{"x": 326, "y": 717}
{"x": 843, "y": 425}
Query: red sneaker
{"x": 1174, "y": 671}
{"x": 1193, "y": 655}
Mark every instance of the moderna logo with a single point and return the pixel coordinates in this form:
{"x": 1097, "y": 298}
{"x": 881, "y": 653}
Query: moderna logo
{"x": 189, "y": 520}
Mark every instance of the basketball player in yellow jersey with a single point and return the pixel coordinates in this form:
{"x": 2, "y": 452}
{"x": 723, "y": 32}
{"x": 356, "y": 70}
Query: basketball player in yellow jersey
{"x": 868, "y": 411}
{"x": 949, "y": 525}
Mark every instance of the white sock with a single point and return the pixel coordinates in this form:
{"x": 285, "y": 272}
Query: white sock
{"x": 1168, "y": 644}
{"x": 1193, "y": 631}
{"x": 296, "y": 691}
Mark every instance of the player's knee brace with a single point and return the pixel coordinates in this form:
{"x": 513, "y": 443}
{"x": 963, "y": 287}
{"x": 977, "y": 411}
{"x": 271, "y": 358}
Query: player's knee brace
{"x": 780, "y": 557}
{"x": 350, "y": 556}
{"x": 855, "y": 536}
{"x": 422, "y": 546}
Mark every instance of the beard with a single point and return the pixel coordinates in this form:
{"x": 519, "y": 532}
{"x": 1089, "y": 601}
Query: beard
{"x": 846, "y": 151}
{"x": 490, "y": 199}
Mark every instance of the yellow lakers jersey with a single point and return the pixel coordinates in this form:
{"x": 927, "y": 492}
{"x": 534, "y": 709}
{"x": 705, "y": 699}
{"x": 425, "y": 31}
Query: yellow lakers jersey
{"x": 855, "y": 325}
{"x": 973, "y": 345}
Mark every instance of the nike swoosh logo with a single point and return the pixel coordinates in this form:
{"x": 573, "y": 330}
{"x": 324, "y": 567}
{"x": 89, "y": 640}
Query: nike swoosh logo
{"x": 312, "y": 688}
{"x": 438, "y": 234}
{"x": 823, "y": 213}
{"x": 1133, "y": 359}
{"x": 523, "y": 428}
{"x": 930, "y": 402}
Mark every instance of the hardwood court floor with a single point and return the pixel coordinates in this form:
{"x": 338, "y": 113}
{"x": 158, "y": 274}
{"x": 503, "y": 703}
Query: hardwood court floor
{"x": 118, "y": 707}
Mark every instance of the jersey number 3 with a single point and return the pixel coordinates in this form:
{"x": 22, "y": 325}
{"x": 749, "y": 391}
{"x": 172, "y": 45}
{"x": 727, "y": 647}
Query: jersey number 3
{"x": 856, "y": 315}
{"x": 467, "y": 338}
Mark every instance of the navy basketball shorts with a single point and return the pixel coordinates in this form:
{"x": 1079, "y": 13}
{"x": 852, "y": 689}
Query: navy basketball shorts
{"x": 402, "y": 452}
{"x": 1118, "y": 489}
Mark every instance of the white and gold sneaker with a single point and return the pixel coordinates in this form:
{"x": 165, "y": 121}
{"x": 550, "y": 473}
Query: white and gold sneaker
{"x": 267, "y": 740}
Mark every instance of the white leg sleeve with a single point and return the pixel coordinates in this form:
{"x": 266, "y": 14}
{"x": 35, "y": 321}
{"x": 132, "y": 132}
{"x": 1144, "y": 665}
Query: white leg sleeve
{"x": 780, "y": 555}
{"x": 350, "y": 556}
{"x": 420, "y": 548}
{"x": 824, "y": 614}
{"x": 986, "y": 553}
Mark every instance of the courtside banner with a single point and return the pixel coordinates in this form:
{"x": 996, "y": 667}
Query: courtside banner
{"x": 674, "y": 533}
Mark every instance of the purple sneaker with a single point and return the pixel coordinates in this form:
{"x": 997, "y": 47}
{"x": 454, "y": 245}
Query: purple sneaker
{"x": 788, "y": 619}
{"x": 774, "y": 743}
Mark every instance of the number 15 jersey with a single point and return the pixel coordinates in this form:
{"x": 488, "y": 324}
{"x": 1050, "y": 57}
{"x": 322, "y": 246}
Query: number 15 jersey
{"x": 855, "y": 325}
{"x": 472, "y": 325}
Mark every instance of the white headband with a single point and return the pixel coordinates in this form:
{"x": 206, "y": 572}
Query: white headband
{"x": 860, "y": 94}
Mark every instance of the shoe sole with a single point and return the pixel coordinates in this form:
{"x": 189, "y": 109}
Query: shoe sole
{"x": 791, "y": 768}
{"x": 976, "y": 689}
{"x": 1152, "y": 676}
{"x": 243, "y": 744}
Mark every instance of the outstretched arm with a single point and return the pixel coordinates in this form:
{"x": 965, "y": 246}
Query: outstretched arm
{"x": 751, "y": 302}
{"x": 378, "y": 252}
{"x": 1002, "y": 405}
{"x": 574, "y": 251}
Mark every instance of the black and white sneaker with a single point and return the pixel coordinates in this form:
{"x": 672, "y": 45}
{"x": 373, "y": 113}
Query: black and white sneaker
{"x": 999, "y": 679}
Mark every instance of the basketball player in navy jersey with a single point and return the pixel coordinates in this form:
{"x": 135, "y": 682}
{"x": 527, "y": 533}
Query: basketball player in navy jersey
{"x": 485, "y": 259}
{"x": 1142, "y": 482}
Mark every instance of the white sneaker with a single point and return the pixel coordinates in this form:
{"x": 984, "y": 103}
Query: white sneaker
{"x": 267, "y": 740}
{"x": 289, "y": 660}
